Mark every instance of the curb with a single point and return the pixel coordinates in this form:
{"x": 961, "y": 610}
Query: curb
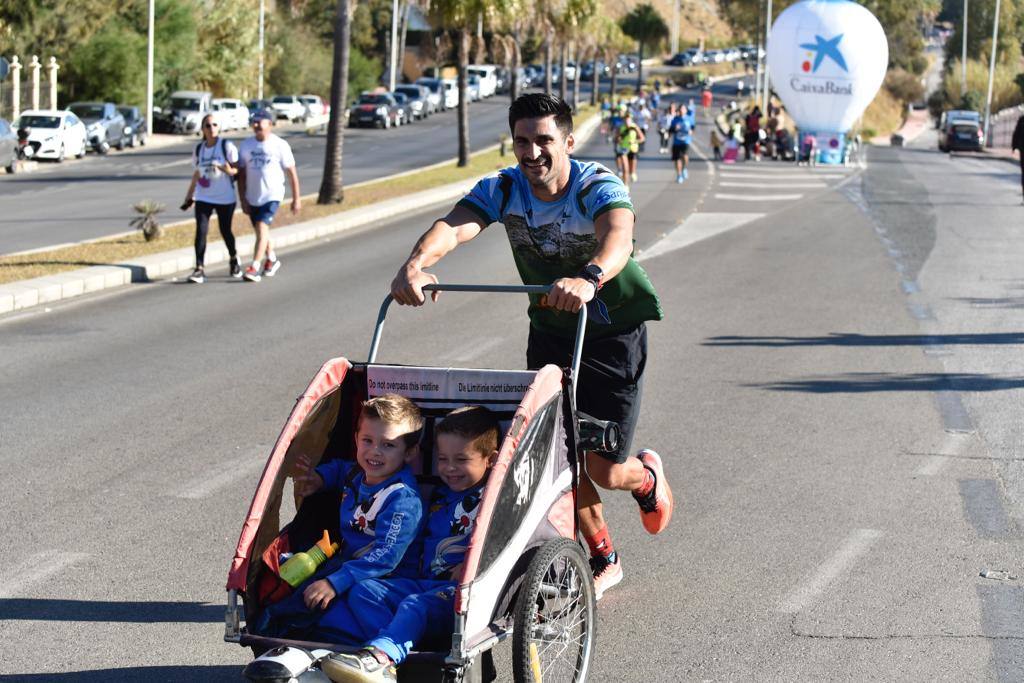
{"x": 18, "y": 296}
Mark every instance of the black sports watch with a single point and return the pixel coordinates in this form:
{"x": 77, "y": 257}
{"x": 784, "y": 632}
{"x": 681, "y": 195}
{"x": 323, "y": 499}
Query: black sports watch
{"x": 593, "y": 274}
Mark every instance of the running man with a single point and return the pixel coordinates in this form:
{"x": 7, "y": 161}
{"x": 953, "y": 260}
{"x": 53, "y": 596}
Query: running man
{"x": 628, "y": 138}
{"x": 264, "y": 160}
{"x": 682, "y": 138}
{"x": 570, "y": 225}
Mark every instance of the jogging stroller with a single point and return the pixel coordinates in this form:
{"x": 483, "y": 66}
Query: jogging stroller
{"x": 526, "y": 576}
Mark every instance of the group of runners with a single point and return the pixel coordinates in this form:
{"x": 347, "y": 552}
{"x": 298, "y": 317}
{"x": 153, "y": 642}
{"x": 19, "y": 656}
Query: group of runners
{"x": 626, "y": 126}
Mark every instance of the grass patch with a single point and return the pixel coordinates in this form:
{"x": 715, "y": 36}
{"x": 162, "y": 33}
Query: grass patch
{"x": 121, "y": 249}
{"x": 883, "y": 116}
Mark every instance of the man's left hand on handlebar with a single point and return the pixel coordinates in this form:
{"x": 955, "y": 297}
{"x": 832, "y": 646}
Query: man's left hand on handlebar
{"x": 570, "y": 294}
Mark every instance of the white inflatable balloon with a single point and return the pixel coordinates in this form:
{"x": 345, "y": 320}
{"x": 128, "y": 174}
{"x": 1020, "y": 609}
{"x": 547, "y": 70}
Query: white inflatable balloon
{"x": 827, "y": 59}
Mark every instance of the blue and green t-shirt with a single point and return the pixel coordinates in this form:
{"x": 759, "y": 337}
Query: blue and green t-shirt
{"x": 552, "y": 240}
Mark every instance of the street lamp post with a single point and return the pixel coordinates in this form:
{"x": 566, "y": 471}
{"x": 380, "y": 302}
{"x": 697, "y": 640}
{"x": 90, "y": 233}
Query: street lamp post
{"x": 394, "y": 44}
{"x": 963, "y": 56}
{"x": 149, "y": 73}
{"x": 259, "y": 84}
{"x": 675, "y": 26}
{"x": 991, "y": 71}
{"x": 757, "y": 55}
{"x": 766, "y": 91}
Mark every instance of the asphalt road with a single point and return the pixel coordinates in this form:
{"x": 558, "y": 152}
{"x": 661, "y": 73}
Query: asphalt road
{"x": 836, "y": 389}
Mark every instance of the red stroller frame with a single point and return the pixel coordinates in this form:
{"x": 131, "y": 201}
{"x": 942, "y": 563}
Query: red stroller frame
{"x": 525, "y": 575}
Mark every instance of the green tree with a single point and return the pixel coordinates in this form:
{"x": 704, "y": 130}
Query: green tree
{"x": 644, "y": 25}
{"x": 228, "y": 43}
{"x": 104, "y": 67}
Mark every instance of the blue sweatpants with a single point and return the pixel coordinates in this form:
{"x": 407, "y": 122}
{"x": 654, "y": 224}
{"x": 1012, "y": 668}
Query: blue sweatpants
{"x": 393, "y": 614}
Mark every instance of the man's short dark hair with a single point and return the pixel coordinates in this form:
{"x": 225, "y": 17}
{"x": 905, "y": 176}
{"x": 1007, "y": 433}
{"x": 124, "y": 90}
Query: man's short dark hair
{"x": 540, "y": 105}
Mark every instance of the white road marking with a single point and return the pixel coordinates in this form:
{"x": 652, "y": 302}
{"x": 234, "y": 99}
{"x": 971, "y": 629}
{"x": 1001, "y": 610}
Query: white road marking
{"x": 36, "y": 569}
{"x": 952, "y": 447}
{"x": 748, "y": 175}
{"x": 476, "y": 349}
{"x": 696, "y": 228}
{"x": 180, "y": 162}
{"x": 855, "y": 545}
{"x": 221, "y": 476}
{"x": 777, "y": 186}
{"x": 758, "y": 197}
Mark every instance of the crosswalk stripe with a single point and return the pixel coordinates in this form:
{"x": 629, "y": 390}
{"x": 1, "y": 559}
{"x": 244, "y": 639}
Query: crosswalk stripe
{"x": 758, "y": 197}
{"x": 779, "y": 186}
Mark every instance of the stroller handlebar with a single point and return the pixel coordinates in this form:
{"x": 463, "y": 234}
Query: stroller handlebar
{"x": 581, "y": 325}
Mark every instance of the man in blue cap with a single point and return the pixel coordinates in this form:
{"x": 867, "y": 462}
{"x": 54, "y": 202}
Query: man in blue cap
{"x": 264, "y": 160}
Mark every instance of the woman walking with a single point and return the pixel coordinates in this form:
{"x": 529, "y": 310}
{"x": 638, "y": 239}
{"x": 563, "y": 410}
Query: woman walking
{"x": 213, "y": 190}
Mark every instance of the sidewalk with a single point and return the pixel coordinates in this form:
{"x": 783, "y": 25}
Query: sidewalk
{"x": 16, "y": 296}
{"x": 917, "y": 122}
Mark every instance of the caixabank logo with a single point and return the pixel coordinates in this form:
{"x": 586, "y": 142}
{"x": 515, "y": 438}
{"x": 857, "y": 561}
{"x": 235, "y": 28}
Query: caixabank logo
{"x": 823, "y": 53}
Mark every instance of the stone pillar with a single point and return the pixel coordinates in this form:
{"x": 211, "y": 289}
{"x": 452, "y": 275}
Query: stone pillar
{"x": 53, "y": 67}
{"x": 16, "y": 67}
{"x": 34, "y": 66}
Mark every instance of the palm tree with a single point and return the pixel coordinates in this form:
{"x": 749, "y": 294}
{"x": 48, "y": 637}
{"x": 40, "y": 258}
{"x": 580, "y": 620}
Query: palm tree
{"x": 331, "y": 189}
{"x": 644, "y": 25}
{"x": 461, "y": 16}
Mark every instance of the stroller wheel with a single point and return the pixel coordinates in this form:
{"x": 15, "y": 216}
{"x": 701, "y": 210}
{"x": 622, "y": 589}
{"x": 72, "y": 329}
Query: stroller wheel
{"x": 554, "y": 616}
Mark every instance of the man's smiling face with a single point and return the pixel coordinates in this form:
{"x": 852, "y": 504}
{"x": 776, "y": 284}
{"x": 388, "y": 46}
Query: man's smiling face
{"x": 542, "y": 151}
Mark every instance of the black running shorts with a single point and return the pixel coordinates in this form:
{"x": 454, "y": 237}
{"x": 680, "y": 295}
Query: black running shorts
{"x": 679, "y": 150}
{"x": 611, "y": 376}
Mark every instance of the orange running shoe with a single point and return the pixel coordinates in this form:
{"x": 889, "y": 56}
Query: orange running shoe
{"x": 607, "y": 572}
{"x": 656, "y": 506}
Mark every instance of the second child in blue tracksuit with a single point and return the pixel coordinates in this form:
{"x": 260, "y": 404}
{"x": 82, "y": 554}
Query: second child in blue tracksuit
{"x": 381, "y": 514}
{"x": 392, "y": 615}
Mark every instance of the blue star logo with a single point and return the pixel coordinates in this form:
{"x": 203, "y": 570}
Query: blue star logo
{"x": 826, "y": 48}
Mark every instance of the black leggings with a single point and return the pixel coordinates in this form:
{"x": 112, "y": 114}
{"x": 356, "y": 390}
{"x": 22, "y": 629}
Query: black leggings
{"x": 224, "y": 213}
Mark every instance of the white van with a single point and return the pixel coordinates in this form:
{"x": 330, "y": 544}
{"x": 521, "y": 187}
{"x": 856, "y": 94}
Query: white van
{"x": 450, "y": 88}
{"x": 231, "y": 114}
{"x": 488, "y": 75}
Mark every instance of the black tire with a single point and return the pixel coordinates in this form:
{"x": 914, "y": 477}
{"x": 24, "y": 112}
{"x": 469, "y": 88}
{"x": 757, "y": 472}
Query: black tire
{"x": 142, "y": 140}
{"x": 555, "y": 615}
{"x": 13, "y": 167}
{"x": 120, "y": 144}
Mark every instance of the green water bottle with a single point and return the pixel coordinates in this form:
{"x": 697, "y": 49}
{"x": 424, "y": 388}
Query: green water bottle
{"x": 301, "y": 566}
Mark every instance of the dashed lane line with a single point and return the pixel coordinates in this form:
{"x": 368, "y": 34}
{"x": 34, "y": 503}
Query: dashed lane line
{"x": 36, "y": 569}
{"x": 856, "y": 544}
{"x": 220, "y": 476}
{"x": 696, "y": 228}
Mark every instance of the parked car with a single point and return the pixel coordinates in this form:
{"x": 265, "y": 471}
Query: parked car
{"x": 451, "y": 93}
{"x": 435, "y": 92}
{"x": 187, "y": 109}
{"x": 473, "y": 88}
{"x": 419, "y": 103}
{"x": 134, "y": 125}
{"x": 314, "y": 106}
{"x": 103, "y": 123}
{"x": 487, "y": 81}
{"x": 8, "y": 146}
{"x": 376, "y": 109}
{"x": 231, "y": 114}
{"x": 404, "y": 111}
{"x": 288, "y": 107}
{"x": 52, "y": 134}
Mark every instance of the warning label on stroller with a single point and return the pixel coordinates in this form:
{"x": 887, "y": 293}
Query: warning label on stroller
{"x": 449, "y": 385}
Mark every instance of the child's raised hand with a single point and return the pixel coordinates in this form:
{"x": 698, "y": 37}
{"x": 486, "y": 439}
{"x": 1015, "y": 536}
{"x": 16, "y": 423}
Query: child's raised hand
{"x": 319, "y": 594}
{"x": 306, "y": 479}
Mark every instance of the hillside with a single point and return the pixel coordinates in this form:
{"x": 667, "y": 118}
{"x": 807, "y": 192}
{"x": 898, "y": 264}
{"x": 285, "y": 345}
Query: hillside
{"x": 699, "y": 18}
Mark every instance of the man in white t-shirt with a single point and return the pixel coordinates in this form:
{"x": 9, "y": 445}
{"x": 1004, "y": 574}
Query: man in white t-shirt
{"x": 264, "y": 161}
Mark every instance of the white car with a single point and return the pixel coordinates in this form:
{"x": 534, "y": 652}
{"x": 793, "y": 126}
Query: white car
{"x": 488, "y": 77}
{"x": 314, "y": 106}
{"x": 288, "y": 107}
{"x": 451, "y": 92}
{"x": 231, "y": 114}
{"x": 53, "y": 134}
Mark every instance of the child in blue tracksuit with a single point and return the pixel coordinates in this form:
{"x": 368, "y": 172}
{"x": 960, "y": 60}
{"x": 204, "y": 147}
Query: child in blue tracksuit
{"x": 380, "y": 516}
{"x": 392, "y": 615}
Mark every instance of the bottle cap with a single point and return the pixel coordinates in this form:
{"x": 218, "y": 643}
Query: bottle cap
{"x": 325, "y": 545}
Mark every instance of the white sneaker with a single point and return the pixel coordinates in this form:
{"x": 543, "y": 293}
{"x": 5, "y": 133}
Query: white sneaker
{"x": 271, "y": 267}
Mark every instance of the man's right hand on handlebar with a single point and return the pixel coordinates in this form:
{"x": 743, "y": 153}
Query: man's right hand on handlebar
{"x": 407, "y": 287}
